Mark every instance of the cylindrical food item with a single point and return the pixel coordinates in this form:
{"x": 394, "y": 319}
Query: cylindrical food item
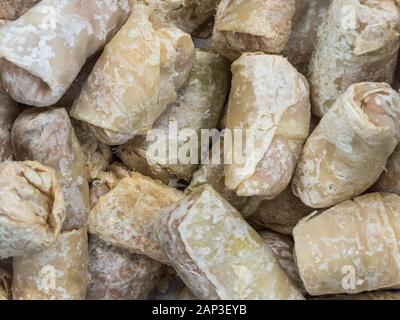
{"x": 43, "y": 51}
{"x": 136, "y": 77}
{"x": 32, "y": 208}
{"x": 357, "y": 41}
{"x": 117, "y": 274}
{"x": 59, "y": 272}
{"x": 98, "y": 155}
{"x": 269, "y": 103}
{"x": 282, "y": 248}
{"x": 308, "y": 17}
{"x": 217, "y": 254}
{"x": 282, "y": 213}
{"x": 5, "y": 285}
{"x": 8, "y": 113}
{"x": 126, "y": 215}
{"x": 352, "y": 247}
{"x": 347, "y": 152}
{"x": 213, "y": 174}
{"x": 187, "y": 15}
{"x": 47, "y": 136}
{"x": 389, "y": 181}
{"x": 199, "y": 106}
{"x": 13, "y": 9}
{"x": 252, "y": 26}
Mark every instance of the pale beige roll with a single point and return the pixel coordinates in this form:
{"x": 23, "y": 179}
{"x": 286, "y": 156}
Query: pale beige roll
{"x": 282, "y": 248}
{"x": 357, "y": 41}
{"x": 32, "y": 208}
{"x": 308, "y": 17}
{"x": 217, "y": 254}
{"x": 126, "y": 215}
{"x": 136, "y": 77}
{"x": 352, "y": 247}
{"x": 5, "y": 285}
{"x": 13, "y": 9}
{"x": 198, "y": 107}
{"x": 117, "y": 274}
{"x": 46, "y": 135}
{"x": 187, "y": 15}
{"x": 43, "y": 51}
{"x": 389, "y": 181}
{"x": 98, "y": 156}
{"x": 347, "y": 152}
{"x": 8, "y": 113}
{"x": 269, "y": 102}
{"x": 282, "y": 213}
{"x": 252, "y": 26}
{"x": 59, "y": 272}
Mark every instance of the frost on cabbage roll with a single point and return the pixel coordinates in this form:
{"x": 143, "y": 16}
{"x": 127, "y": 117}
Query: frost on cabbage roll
{"x": 135, "y": 78}
{"x": 357, "y": 41}
{"x": 269, "y": 102}
{"x": 32, "y": 208}
{"x": 117, "y": 274}
{"x": 59, "y": 272}
{"x": 8, "y": 113}
{"x": 252, "y": 26}
{"x": 187, "y": 15}
{"x": 199, "y": 106}
{"x": 126, "y": 215}
{"x": 47, "y": 136}
{"x": 347, "y": 152}
{"x": 352, "y": 247}
{"x": 217, "y": 254}
{"x": 43, "y": 51}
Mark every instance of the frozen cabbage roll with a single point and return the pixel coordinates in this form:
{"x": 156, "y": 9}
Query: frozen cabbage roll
{"x": 136, "y": 77}
{"x": 32, "y": 208}
{"x": 98, "y": 156}
{"x": 8, "y": 113}
{"x": 43, "y": 51}
{"x": 5, "y": 285}
{"x": 117, "y": 274}
{"x": 347, "y": 152}
{"x": 47, "y": 136}
{"x": 126, "y": 215}
{"x": 217, "y": 254}
{"x": 13, "y": 9}
{"x": 282, "y": 213}
{"x": 358, "y": 41}
{"x": 252, "y": 26}
{"x": 352, "y": 247}
{"x": 269, "y": 103}
{"x": 187, "y": 15}
{"x": 199, "y": 106}
{"x": 308, "y": 16}
{"x": 59, "y": 272}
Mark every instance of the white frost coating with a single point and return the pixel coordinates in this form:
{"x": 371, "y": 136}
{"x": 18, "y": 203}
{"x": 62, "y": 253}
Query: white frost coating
{"x": 270, "y": 100}
{"x": 32, "y": 208}
{"x": 352, "y": 247}
{"x": 59, "y": 272}
{"x": 117, "y": 274}
{"x": 8, "y": 112}
{"x": 217, "y": 254}
{"x": 252, "y": 26}
{"x": 43, "y": 51}
{"x": 47, "y": 136}
{"x": 199, "y": 106}
{"x": 136, "y": 77}
{"x": 347, "y": 152}
{"x": 357, "y": 41}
